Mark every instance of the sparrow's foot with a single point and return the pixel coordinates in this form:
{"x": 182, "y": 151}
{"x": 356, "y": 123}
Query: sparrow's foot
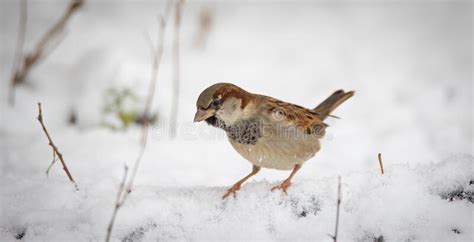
{"x": 236, "y": 186}
{"x": 283, "y": 186}
{"x": 233, "y": 190}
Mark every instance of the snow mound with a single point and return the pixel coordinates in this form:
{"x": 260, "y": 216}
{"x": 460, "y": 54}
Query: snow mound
{"x": 406, "y": 203}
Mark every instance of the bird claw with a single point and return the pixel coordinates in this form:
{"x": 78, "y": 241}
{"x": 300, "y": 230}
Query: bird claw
{"x": 233, "y": 190}
{"x": 283, "y": 186}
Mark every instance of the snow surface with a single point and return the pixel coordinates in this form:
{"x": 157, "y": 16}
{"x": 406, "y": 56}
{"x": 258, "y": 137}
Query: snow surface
{"x": 409, "y": 63}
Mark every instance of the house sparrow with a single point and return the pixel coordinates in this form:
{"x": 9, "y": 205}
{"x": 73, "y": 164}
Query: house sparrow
{"x": 267, "y": 132}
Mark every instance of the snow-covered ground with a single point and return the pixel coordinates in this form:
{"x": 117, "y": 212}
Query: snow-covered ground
{"x": 409, "y": 63}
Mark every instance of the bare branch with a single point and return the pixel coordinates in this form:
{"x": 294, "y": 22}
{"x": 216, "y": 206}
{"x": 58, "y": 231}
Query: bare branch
{"x": 175, "y": 97}
{"x": 58, "y": 27}
{"x": 205, "y": 23}
{"x": 381, "y": 163}
{"x": 54, "y": 147}
{"x": 118, "y": 203}
{"x": 339, "y": 197}
{"x": 43, "y": 47}
{"x": 157, "y": 56}
{"x": 19, "y": 46}
{"x": 151, "y": 89}
{"x": 127, "y": 184}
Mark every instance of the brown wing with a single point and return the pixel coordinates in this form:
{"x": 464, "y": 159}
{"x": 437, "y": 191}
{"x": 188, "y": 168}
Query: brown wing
{"x": 289, "y": 114}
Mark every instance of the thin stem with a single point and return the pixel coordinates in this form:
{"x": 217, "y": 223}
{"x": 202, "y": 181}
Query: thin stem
{"x": 339, "y": 197}
{"x": 126, "y": 186}
{"x": 380, "y": 163}
{"x": 118, "y": 204}
{"x": 31, "y": 59}
{"x": 19, "y": 47}
{"x": 176, "y": 71}
{"x": 54, "y": 147}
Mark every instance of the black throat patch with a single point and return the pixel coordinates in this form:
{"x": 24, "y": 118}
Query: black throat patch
{"x": 243, "y": 132}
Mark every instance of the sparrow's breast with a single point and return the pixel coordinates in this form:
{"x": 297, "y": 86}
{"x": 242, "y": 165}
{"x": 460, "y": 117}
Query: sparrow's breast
{"x": 277, "y": 148}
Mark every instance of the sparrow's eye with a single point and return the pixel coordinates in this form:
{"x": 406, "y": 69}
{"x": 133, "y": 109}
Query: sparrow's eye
{"x": 216, "y": 103}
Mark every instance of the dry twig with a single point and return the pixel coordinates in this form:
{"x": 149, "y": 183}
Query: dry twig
{"x": 42, "y": 48}
{"x": 118, "y": 203}
{"x": 175, "y": 97}
{"x": 339, "y": 197}
{"x": 205, "y": 24}
{"x": 381, "y": 163}
{"x": 19, "y": 45}
{"x": 157, "y": 56}
{"x": 127, "y": 184}
{"x": 55, "y": 149}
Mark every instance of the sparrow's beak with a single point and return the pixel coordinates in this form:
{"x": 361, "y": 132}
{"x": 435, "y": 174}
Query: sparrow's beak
{"x": 202, "y": 114}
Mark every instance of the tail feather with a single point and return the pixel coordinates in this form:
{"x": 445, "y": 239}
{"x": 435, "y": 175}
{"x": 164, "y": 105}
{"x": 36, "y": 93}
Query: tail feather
{"x": 331, "y": 103}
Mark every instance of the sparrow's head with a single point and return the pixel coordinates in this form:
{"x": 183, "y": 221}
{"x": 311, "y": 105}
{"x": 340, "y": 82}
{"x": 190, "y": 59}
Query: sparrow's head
{"x": 223, "y": 101}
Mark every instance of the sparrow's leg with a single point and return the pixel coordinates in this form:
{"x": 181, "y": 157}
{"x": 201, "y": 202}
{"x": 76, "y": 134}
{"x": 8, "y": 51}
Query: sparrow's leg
{"x": 286, "y": 183}
{"x": 237, "y": 185}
